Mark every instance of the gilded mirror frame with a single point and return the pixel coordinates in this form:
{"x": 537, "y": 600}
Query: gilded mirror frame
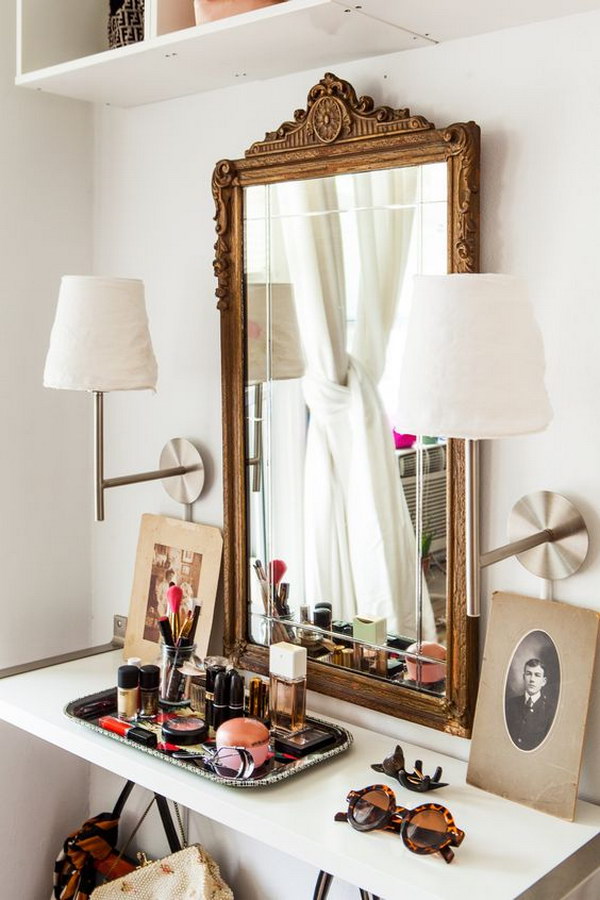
{"x": 337, "y": 133}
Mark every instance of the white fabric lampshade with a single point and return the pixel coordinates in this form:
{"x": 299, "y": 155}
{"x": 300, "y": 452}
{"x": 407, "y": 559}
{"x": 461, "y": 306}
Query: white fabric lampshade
{"x": 100, "y": 339}
{"x": 281, "y": 345}
{"x": 474, "y": 360}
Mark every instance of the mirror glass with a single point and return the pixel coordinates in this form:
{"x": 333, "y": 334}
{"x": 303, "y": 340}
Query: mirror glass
{"x": 343, "y": 508}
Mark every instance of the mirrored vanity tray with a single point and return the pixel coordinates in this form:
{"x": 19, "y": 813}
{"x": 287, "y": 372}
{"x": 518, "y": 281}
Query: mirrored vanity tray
{"x": 274, "y": 770}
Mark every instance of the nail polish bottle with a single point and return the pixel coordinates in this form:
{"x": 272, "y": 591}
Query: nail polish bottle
{"x": 287, "y": 695}
{"x": 149, "y": 683}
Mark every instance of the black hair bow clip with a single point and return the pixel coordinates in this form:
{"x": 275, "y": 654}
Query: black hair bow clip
{"x": 414, "y": 781}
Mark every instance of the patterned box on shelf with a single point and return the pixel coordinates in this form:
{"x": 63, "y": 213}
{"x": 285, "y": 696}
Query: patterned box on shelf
{"x": 125, "y": 22}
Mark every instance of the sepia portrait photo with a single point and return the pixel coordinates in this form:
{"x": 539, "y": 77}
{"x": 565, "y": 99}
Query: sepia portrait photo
{"x": 172, "y": 552}
{"x": 532, "y": 688}
{"x": 532, "y": 704}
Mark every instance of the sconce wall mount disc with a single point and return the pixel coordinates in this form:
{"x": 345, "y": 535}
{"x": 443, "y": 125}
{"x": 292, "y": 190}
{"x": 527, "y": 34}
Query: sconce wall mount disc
{"x": 566, "y": 548}
{"x": 184, "y": 488}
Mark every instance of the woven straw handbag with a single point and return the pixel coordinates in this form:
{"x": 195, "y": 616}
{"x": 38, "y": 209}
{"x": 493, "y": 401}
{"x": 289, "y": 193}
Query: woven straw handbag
{"x": 189, "y": 874}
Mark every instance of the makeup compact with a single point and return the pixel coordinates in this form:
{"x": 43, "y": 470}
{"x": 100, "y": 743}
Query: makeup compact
{"x": 184, "y": 730}
{"x": 248, "y": 733}
{"x": 303, "y": 742}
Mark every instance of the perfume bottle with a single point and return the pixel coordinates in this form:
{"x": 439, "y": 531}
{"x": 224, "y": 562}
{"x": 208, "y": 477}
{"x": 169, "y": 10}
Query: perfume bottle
{"x": 287, "y": 694}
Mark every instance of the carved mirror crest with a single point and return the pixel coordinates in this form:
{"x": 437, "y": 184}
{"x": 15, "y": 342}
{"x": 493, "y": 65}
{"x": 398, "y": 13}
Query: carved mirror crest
{"x": 342, "y": 533}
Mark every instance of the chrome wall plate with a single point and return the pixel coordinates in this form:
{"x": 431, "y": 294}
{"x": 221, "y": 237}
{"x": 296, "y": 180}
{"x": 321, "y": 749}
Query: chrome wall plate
{"x": 565, "y": 551}
{"x": 188, "y": 487}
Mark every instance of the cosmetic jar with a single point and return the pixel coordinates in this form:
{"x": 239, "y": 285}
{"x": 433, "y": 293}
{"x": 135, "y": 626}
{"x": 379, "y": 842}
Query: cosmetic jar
{"x": 149, "y": 682}
{"x": 322, "y": 617}
{"x": 128, "y": 679}
{"x": 423, "y": 671}
{"x": 184, "y": 730}
{"x": 250, "y": 734}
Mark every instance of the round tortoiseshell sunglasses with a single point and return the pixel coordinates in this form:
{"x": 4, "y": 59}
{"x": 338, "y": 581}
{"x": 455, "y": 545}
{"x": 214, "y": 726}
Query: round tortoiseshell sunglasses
{"x": 428, "y": 828}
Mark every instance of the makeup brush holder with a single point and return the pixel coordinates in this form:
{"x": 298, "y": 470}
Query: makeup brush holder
{"x": 172, "y": 681}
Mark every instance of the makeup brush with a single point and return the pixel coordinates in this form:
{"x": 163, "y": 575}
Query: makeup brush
{"x": 277, "y": 569}
{"x": 192, "y": 629}
{"x": 164, "y": 626}
{"x": 174, "y": 598}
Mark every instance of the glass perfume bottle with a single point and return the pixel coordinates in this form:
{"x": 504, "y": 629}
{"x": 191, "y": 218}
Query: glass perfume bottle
{"x": 287, "y": 693}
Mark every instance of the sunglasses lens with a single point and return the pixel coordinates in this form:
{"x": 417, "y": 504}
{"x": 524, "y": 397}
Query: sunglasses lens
{"x": 427, "y": 828}
{"x": 370, "y": 809}
{"x": 230, "y": 762}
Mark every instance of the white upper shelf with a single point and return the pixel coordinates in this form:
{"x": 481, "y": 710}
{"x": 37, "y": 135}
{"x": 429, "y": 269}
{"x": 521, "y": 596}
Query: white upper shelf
{"x": 59, "y": 39}
{"x": 276, "y": 40}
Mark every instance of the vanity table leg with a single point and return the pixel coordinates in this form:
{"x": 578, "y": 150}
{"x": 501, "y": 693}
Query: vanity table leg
{"x": 322, "y": 886}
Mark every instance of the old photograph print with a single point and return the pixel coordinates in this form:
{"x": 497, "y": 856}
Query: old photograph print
{"x": 170, "y": 565}
{"x": 532, "y": 690}
{"x": 532, "y": 703}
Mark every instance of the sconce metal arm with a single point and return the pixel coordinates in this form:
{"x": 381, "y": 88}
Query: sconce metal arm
{"x": 516, "y": 547}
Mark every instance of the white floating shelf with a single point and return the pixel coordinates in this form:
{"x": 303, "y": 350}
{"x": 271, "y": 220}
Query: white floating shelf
{"x": 288, "y": 37}
{"x": 507, "y": 850}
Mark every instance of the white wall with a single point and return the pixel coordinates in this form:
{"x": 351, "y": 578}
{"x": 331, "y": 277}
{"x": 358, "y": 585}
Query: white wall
{"x": 46, "y": 147}
{"x": 535, "y": 92}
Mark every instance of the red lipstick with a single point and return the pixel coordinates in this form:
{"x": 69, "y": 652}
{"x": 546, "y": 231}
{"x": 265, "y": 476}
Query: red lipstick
{"x": 134, "y": 733}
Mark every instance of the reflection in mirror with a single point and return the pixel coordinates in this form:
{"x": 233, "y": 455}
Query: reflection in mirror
{"x": 343, "y": 508}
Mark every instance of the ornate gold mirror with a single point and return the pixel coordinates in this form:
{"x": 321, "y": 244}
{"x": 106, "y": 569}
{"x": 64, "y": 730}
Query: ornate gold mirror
{"x": 342, "y": 533}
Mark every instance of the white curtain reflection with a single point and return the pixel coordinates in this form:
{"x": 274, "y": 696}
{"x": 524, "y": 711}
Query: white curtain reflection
{"x": 359, "y": 540}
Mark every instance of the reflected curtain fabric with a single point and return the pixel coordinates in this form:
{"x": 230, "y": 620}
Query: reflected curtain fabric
{"x": 359, "y": 540}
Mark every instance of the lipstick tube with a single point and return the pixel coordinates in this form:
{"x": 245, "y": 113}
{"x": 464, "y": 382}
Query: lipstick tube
{"x": 134, "y": 733}
{"x": 236, "y": 696}
{"x": 220, "y": 707}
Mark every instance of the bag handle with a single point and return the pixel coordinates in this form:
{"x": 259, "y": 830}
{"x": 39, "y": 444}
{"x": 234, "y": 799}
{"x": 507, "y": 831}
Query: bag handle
{"x": 162, "y": 804}
{"x": 173, "y": 840}
{"x": 122, "y": 799}
{"x": 165, "y": 814}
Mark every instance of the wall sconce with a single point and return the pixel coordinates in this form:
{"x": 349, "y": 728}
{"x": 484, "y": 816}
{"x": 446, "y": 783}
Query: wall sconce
{"x": 100, "y": 342}
{"x": 474, "y": 369}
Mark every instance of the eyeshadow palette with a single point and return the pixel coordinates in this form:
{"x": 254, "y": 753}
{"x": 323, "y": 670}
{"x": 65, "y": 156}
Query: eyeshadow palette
{"x": 87, "y": 711}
